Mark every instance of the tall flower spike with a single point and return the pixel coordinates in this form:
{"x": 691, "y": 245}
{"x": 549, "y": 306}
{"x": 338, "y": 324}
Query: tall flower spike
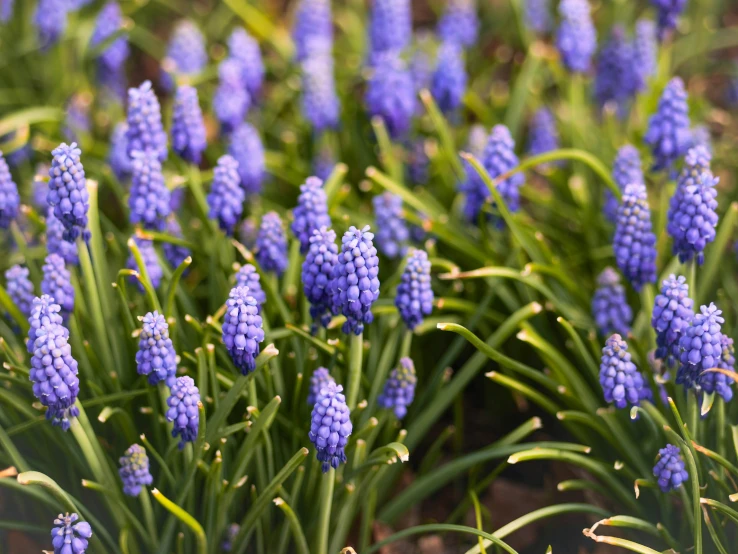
{"x": 616, "y": 78}
{"x": 118, "y": 158}
{"x": 538, "y": 16}
{"x": 692, "y": 216}
{"x": 151, "y": 261}
{"x": 19, "y": 288}
{"x": 320, "y": 103}
{"x": 390, "y": 94}
{"x": 55, "y": 243}
{"x": 498, "y": 158}
{"x": 634, "y": 242}
{"x": 174, "y": 253}
{"x": 68, "y": 536}
{"x": 149, "y": 199}
{"x": 449, "y": 79}
{"x": 391, "y": 26}
{"x": 610, "y": 308}
{"x": 543, "y": 135}
{"x": 134, "y": 470}
{"x": 188, "y": 127}
{"x": 355, "y": 283}
{"x": 50, "y": 19}
{"x": 111, "y": 62}
{"x": 669, "y": 469}
{"x": 9, "y": 197}
{"x": 6, "y": 10}
{"x": 421, "y": 72}
{"x": 700, "y": 346}
{"x": 57, "y": 284}
{"x": 626, "y": 169}
{"x": 313, "y": 26}
{"x": 186, "y": 54}
{"x": 68, "y": 191}
{"x": 311, "y": 212}
{"x": 226, "y": 197}
{"x": 645, "y": 48}
{"x": 183, "y": 411}
{"x": 399, "y": 389}
{"x": 156, "y": 357}
{"x": 330, "y": 426}
{"x": 317, "y": 272}
{"x": 668, "y": 14}
{"x": 318, "y": 380}
{"x": 244, "y": 48}
{"x": 672, "y": 314}
{"x": 232, "y": 100}
{"x": 242, "y": 329}
{"x": 621, "y": 381}
{"x": 246, "y": 147}
{"x": 414, "y": 299}
{"x": 247, "y": 276}
{"x": 145, "y": 130}
{"x": 576, "y": 37}
{"x": 459, "y": 23}
{"x": 719, "y": 382}
{"x": 53, "y": 369}
{"x": 472, "y": 186}
{"x": 393, "y": 234}
{"x": 271, "y": 244}
{"x": 668, "y": 129}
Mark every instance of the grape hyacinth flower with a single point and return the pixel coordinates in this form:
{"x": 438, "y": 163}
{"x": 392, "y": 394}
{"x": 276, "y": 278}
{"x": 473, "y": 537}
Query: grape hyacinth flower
{"x": 174, "y": 253}
{"x": 626, "y": 169}
{"x": 245, "y": 49}
{"x": 151, "y": 261}
{"x": 538, "y": 16}
{"x": 421, "y": 72}
{"x": 355, "y": 283}
{"x": 149, "y": 199}
{"x": 134, "y": 470}
{"x": 621, "y": 381}
{"x": 634, "y": 242}
{"x": 320, "y": 103}
{"x": 391, "y": 26}
{"x": 118, "y": 158}
{"x": 700, "y": 346}
{"x": 668, "y": 129}
{"x": 448, "y": 84}
{"x": 111, "y": 61}
{"x": 183, "y": 410}
{"x": 68, "y": 191}
{"x": 616, "y": 79}
{"x": 414, "y": 299}
{"x": 390, "y": 94}
{"x": 472, "y": 186}
{"x": 271, "y": 244}
{"x": 55, "y": 243}
{"x": 6, "y": 10}
{"x": 576, "y": 38}
{"x": 610, "y": 308}
{"x": 53, "y": 369}
{"x": 318, "y": 380}
{"x": 156, "y": 357}
{"x": 393, "y": 234}
{"x": 672, "y": 314}
{"x": 330, "y": 426}
{"x": 188, "y": 127}
{"x": 313, "y": 27}
{"x": 399, "y": 389}
{"x": 712, "y": 381}
{"x": 231, "y": 101}
{"x": 692, "y": 216}
{"x": 145, "y": 130}
{"x": 669, "y": 469}
{"x": 459, "y": 23}
{"x": 68, "y": 536}
{"x": 543, "y": 135}
{"x": 246, "y": 147}
{"x": 186, "y": 55}
{"x": 20, "y": 288}
{"x": 645, "y": 50}
{"x": 668, "y": 12}
{"x": 317, "y": 273}
{"x": 311, "y": 212}
{"x": 226, "y": 197}
{"x": 9, "y": 197}
{"x": 50, "y": 19}
{"x": 498, "y": 158}
{"x": 57, "y": 284}
{"x": 40, "y": 189}
{"x": 242, "y": 329}
{"x": 247, "y": 276}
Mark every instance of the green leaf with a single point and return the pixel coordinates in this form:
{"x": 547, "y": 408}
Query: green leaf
{"x": 184, "y": 517}
{"x": 440, "y": 528}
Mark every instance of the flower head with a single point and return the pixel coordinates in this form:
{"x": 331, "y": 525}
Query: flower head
{"x": 271, "y": 244}
{"x": 645, "y": 49}
{"x": 145, "y": 130}
{"x": 118, "y": 157}
{"x": 68, "y": 536}
{"x": 242, "y": 329}
{"x": 151, "y": 261}
{"x": 156, "y": 357}
{"x": 57, "y": 284}
{"x": 626, "y": 169}
{"x": 712, "y": 381}
{"x": 245, "y": 49}
{"x": 9, "y": 197}
{"x": 317, "y": 272}
{"x": 668, "y": 14}
{"x": 393, "y": 234}
{"x": 311, "y": 212}
{"x": 246, "y": 147}
{"x": 185, "y": 55}
{"x": 668, "y": 129}
{"x": 6, "y": 10}
{"x": 391, "y": 26}
{"x": 701, "y": 137}
{"x": 700, "y": 346}
{"x": 313, "y": 28}
{"x": 634, "y": 242}
{"x": 610, "y": 308}
{"x": 472, "y": 186}
{"x": 576, "y": 37}
{"x": 621, "y": 382}
{"x": 448, "y": 84}
{"x": 390, "y": 94}
{"x": 498, "y": 158}
{"x": 247, "y": 276}
{"x": 669, "y": 469}
{"x": 134, "y": 470}
{"x": 672, "y": 314}
{"x": 459, "y": 23}
{"x": 538, "y": 16}
{"x": 318, "y": 380}
{"x": 111, "y": 62}
{"x": 399, "y": 389}
{"x": 55, "y": 243}
{"x": 19, "y": 288}
{"x": 50, "y": 19}
{"x": 232, "y": 100}
{"x": 149, "y": 199}
{"x": 226, "y": 197}
{"x": 414, "y": 299}
{"x": 188, "y": 127}
{"x": 183, "y": 410}
{"x": 543, "y": 135}
{"x": 68, "y": 191}
{"x": 617, "y": 79}
{"x": 330, "y": 426}
{"x": 320, "y": 103}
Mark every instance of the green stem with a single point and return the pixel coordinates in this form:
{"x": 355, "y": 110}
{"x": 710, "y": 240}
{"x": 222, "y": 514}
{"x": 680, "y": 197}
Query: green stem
{"x": 149, "y": 516}
{"x": 324, "y": 517}
{"x": 356, "y": 353}
{"x": 407, "y": 341}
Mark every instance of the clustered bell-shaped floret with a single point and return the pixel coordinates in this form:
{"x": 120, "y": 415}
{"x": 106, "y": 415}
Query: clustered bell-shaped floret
{"x": 669, "y": 469}
{"x": 183, "y": 410}
{"x": 68, "y": 536}
{"x": 672, "y": 314}
{"x": 311, "y": 212}
{"x": 634, "y": 242}
{"x": 134, "y": 470}
{"x": 226, "y": 197}
{"x": 149, "y": 199}
{"x": 700, "y": 346}
{"x": 330, "y": 426}
{"x": 392, "y": 232}
{"x": 318, "y": 380}
{"x": 242, "y": 329}
{"x": 9, "y": 197}
{"x": 399, "y": 389}
{"x": 622, "y": 383}
{"x": 145, "y": 129}
{"x": 156, "y": 357}
{"x": 610, "y": 308}
{"x": 247, "y": 276}
{"x": 668, "y": 132}
{"x": 271, "y": 244}
{"x": 713, "y": 381}
{"x": 576, "y": 38}
{"x": 414, "y": 298}
{"x": 57, "y": 284}
{"x": 317, "y": 272}
{"x": 68, "y": 191}
{"x": 188, "y": 128}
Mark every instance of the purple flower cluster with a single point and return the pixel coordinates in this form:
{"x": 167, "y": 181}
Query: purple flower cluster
{"x": 231, "y": 101}
{"x": 320, "y": 104}
{"x": 390, "y": 93}
{"x": 626, "y": 169}
{"x": 244, "y": 48}
{"x": 313, "y": 29}
{"x": 151, "y": 262}
{"x": 700, "y": 346}
{"x": 271, "y": 244}
{"x": 145, "y": 130}
{"x": 318, "y": 380}
{"x": 242, "y": 329}
{"x": 712, "y": 381}
{"x": 672, "y": 314}
{"x": 538, "y": 16}
{"x": 669, "y": 469}
{"x": 576, "y": 37}
{"x": 55, "y": 243}
{"x": 645, "y": 49}
{"x": 330, "y": 426}
{"x": 543, "y": 135}
{"x": 621, "y": 381}
{"x": 459, "y": 23}
{"x": 188, "y": 128}
{"x": 149, "y": 199}
{"x": 9, "y": 197}
{"x": 186, "y": 55}
{"x": 472, "y": 186}
{"x": 610, "y": 308}
{"x": 246, "y": 148}
{"x": 183, "y": 401}
{"x": 391, "y": 26}
{"x": 111, "y": 61}
{"x": 311, "y": 212}
{"x": 634, "y": 242}
{"x": 50, "y": 20}
{"x": 134, "y": 470}
{"x": 226, "y": 197}
{"x": 393, "y": 234}
{"x": 247, "y": 276}
{"x": 414, "y": 299}
{"x": 317, "y": 272}
{"x": 498, "y": 158}
{"x": 156, "y": 357}
{"x": 57, "y": 284}
{"x": 668, "y": 129}
{"x": 617, "y": 79}
{"x": 19, "y": 288}
{"x": 68, "y": 536}
{"x": 68, "y": 191}
{"x": 668, "y": 14}
{"x": 118, "y": 157}
{"x": 399, "y": 389}
{"x": 448, "y": 84}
